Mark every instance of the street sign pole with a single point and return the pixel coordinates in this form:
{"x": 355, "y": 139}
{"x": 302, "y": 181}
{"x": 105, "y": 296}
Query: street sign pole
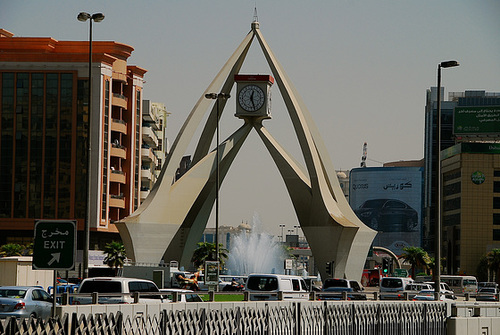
{"x": 54, "y": 248}
{"x": 54, "y": 296}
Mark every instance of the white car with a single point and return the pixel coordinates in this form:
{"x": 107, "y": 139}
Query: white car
{"x": 428, "y": 295}
{"x": 117, "y": 290}
{"x": 443, "y": 287}
{"x": 203, "y": 287}
{"x": 183, "y": 295}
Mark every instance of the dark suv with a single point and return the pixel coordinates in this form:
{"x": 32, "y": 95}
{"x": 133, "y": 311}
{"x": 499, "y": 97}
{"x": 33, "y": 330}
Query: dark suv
{"x": 336, "y": 285}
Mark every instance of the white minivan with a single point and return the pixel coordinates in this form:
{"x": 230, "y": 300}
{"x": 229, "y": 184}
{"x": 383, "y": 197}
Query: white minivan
{"x": 392, "y": 287}
{"x": 267, "y": 286}
{"x": 117, "y": 290}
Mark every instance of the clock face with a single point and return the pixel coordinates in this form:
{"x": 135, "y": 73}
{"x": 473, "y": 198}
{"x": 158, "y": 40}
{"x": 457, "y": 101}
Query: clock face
{"x": 251, "y": 98}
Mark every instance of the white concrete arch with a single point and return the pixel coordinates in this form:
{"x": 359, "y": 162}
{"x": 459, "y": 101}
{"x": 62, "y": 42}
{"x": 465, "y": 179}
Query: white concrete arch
{"x": 171, "y": 220}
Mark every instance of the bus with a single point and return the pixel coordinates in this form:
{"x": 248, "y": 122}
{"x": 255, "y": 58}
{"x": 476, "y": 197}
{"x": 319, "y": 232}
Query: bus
{"x": 461, "y": 284}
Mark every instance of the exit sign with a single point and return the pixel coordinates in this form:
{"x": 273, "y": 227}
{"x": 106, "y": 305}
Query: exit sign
{"x": 54, "y": 245}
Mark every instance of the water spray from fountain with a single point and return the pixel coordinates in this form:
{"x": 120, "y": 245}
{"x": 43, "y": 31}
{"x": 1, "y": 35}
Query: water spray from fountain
{"x": 255, "y": 252}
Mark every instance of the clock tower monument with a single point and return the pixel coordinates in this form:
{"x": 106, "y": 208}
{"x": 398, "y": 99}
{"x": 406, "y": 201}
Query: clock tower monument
{"x": 253, "y": 95}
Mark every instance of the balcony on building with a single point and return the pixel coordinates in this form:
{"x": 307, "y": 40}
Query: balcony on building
{"x": 117, "y": 176}
{"x": 117, "y": 200}
{"x": 148, "y": 154}
{"x": 119, "y": 126}
{"x": 146, "y": 173}
{"x": 149, "y": 136}
{"x": 118, "y": 150}
{"x": 148, "y": 113}
{"x": 144, "y": 193}
{"x": 120, "y": 100}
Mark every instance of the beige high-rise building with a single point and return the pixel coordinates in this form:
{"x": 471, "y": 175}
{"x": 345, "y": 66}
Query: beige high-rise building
{"x": 471, "y": 205}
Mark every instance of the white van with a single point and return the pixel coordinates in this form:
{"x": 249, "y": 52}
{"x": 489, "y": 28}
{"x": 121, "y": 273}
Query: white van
{"x": 117, "y": 290}
{"x": 392, "y": 287}
{"x": 267, "y": 286}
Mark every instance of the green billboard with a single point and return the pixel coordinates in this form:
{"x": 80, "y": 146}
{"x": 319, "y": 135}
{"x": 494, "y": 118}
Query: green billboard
{"x": 476, "y": 120}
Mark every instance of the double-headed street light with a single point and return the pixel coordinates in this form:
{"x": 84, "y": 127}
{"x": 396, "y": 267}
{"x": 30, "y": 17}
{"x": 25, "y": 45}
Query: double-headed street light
{"x": 83, "y": 17}
{"x": 217, "y": 97}
{"x": 437, "y": 253}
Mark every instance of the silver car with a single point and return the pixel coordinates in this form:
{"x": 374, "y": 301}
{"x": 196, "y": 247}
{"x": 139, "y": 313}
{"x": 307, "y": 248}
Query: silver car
{"x": 24, "y": 302}
{"x": 487, "y": 294}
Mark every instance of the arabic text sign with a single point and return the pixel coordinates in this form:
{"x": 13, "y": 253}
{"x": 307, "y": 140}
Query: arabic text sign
{"x": 55, "y": 245}
{"x": 476, "y": 120}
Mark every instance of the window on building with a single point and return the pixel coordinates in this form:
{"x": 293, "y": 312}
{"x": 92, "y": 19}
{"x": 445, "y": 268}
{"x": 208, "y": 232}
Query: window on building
{"x": 452, "y": 204}
{"x": 496, "y": 218}
{"x": 496, "y": 234}
{"x": 452, "y": 189}
{"x": 496, "y": 203}
{"x": 496, "y": 173}
{"x": 451, "y": 175}
{"x": 451, "y": 220}
{"x": 496, "y": 186}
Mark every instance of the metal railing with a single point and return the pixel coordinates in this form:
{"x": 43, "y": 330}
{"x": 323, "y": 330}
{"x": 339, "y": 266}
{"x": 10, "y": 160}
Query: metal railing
{"x": 297, "y": 318}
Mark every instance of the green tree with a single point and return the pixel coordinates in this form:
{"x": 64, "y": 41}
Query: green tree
{"x": 11, "y": 249}
{"x": 417, "y": 257}
{"x": 493, "y": 258}
{"x": 206, "y": 252}
{"x": 115, "y": 255}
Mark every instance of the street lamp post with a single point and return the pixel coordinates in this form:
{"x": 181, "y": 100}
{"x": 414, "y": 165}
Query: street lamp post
{"x": 83, "y": 17}
{"x": 217, "y": 97}
{"x": 437, "y": 269}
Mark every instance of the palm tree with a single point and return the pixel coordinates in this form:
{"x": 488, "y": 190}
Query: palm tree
{"x": 11, "y": 249}
{"x": 493, "y": 258}
{"x": 417, "y": 257}
{"x": 115, "y": 255}
{"x": 206, "y": 252}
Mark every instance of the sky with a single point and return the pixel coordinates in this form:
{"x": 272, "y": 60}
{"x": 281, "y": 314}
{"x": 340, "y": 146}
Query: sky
{"x": 361, "y": 67}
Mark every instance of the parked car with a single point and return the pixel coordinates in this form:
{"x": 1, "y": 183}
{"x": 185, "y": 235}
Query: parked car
{"x": 443, "y": 288}
{"x": 335, "y": 286}
{"x": 336, "y": 293}
{"x": 24, "y": 302}
{"x": 415, "y": 288}
{"x": 487, "y": 294}
{"x": 117, "y": 290}
{"x": 392, "y": 288}
{"x": 428, "y": 295}
{"x": 484, "y": 284}
{"x": 313, "y": 283}
{"x": 183, "y": 295}
{"x": 388, "y": 215}
{"x": 203, "y": 287}
{"x": 267, "y": 286}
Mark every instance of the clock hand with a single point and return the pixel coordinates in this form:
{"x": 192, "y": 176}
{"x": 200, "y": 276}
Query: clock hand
{"x": 251, "y": 99}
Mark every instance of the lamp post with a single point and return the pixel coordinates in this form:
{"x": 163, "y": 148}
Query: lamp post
{"x": 437, "y": 253}
{"x": 217, "y": 97}
{"x": 83, "y": 17}
{"x": 282, "y": 226}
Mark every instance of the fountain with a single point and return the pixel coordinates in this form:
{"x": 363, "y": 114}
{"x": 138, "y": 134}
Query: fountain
{"x": 255, "y": 252}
